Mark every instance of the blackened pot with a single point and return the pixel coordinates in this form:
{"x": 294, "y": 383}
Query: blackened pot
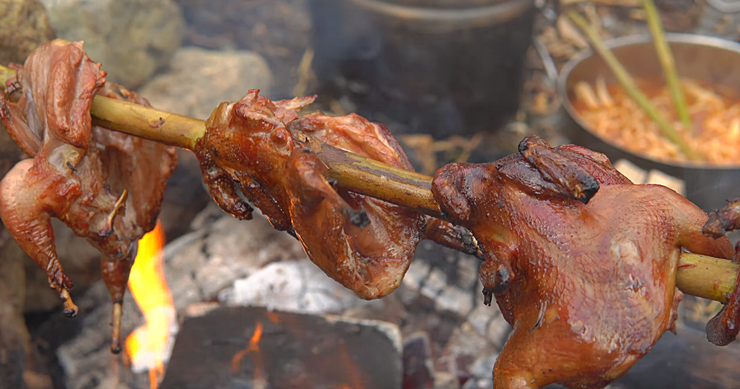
{"x": 441, "y": 67}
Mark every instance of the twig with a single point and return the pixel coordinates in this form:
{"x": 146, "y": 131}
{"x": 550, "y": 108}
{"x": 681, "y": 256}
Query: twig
{"x": 668, "y": 63}
{"x": 698, "y": 275}
{"x": 630, "y": 87}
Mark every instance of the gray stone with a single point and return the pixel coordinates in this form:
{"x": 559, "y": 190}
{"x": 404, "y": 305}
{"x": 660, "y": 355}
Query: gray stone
{"x": 14, "y": 337}
{"x": 131, "y": 38}
{"x": 24, "y": 25}
{"x": 198, "y": 80}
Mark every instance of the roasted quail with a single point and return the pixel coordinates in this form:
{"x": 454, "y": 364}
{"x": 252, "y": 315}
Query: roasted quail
{"x": 105, "y": 186}
{"x": 581, "y": 261}
{"x": 259, "y": 148}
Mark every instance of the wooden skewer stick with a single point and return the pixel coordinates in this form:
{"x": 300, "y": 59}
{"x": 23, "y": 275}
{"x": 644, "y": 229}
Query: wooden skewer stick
{"x": 663, "y": 50}
{"x": 698, "y": 275}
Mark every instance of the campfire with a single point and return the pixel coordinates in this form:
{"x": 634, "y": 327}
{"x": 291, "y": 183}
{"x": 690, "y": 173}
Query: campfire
{"x": 325, "y": 260}
{"x": 149, "y": 346}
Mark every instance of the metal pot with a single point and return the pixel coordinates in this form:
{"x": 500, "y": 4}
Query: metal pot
{"x": 712, "y": 60}
{"x": 441, "y": 67}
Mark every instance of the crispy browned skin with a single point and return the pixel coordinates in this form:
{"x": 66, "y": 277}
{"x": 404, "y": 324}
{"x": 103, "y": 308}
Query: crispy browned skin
{"x": 723, "y": 328}
{"x": 363, "y": 243}
{"x": 258, "y": 147}
{"x": 107, "y": 187}
{"x": 586, "y": 278}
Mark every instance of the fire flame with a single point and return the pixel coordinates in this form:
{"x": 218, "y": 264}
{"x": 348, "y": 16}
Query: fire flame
{"x": 148, "y": 345}
{"x": 254, "y": 346}
{"x": 259, "y": 380}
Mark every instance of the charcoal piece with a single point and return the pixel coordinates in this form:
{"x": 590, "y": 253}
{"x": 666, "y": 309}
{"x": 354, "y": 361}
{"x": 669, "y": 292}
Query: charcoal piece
{"x": 418, "y": 372}
{"x": 249, "y": 347}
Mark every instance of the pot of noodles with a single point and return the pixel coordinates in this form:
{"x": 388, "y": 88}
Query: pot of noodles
{"x": 602, "y": 117}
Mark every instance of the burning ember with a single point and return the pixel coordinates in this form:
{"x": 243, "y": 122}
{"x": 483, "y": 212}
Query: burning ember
{"x": 253, "y": 347}
{"x": 149, "y": 345}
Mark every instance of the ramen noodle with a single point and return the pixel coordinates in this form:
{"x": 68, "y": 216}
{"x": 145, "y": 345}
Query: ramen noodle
{"x": 613, "y": 116}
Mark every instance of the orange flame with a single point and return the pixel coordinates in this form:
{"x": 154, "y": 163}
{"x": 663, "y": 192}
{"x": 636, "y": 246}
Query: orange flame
{"x": 258, "y": 380}
{"x": 148, "y": 345}
{"x": 253, "y": 346}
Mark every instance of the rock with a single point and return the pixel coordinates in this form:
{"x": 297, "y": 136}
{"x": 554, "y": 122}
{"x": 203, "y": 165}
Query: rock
{"x": 131, "y": 38}
{"x": 198, "y": 80}
{"x": 278, "y": 30}
{"x": 24, "y": 25}
{"x": 184, "y": 198}
{"x": 14, "y": 337}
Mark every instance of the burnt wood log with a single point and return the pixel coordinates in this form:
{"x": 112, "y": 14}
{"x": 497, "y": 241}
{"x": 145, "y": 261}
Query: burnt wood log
{"x": 218, "y": 350}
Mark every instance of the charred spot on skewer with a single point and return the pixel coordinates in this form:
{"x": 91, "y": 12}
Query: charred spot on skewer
{"x": 157, "y": 123}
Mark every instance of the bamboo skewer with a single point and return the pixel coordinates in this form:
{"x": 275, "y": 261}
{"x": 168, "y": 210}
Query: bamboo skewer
{"x": 630, "y": 87}
{"x": 668, "y": 63}
{"x": 698, "y": 275}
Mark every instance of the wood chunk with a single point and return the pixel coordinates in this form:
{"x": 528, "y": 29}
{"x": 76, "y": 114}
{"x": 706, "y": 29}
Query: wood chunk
{"x": 251, "y": 347}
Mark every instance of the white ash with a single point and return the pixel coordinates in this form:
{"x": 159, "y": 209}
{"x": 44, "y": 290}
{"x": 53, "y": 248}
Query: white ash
{"x": 425, "y": 278}
{"x": 293, "y": 286}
